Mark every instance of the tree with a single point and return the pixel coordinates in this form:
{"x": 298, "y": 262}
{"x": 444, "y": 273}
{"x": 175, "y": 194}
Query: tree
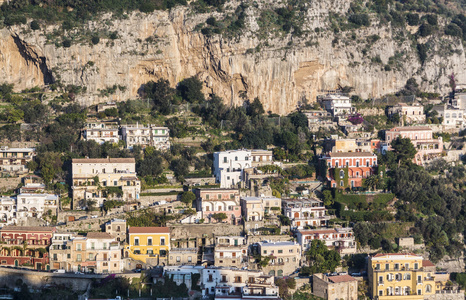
{"x": 403, "y": 149}
{"x": 322, "y": 260}
{"x": 219, "y": 217}
{"x": 254, "y": 108}
{"x": 188, "y": 198}
{"x": 180, "y": 167}
{"x": 50, "y": 165}
{"x": 190, "y": 89}
{"x": 371, "y": 182}
{"x": 12, "y": 115}
{"x": 152, "y": 165}
{"x": 298, "y": 119}
{"x": 327, "y": 197}
{"x": 161, "y": 95}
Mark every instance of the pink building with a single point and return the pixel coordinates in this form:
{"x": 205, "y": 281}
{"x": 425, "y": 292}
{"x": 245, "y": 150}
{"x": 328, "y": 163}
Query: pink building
{"x": 340, "y": 239}
{"x": 422, "y": 139}
{"x": 215, "y": 201}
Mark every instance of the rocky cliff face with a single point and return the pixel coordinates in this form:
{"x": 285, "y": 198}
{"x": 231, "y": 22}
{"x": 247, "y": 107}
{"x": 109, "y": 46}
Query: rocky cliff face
{"x": 283, "y": 71}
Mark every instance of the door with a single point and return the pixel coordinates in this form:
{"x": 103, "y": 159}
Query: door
{"x": 236, "y": 242}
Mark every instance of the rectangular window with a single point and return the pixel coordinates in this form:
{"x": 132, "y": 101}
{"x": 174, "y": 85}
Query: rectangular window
{"x": 178, "y": 259}
{"x": 265, "y": 251}
{"x": 91, "y": 256}
{"x": 224, "y": 159}
{"x": 190, "y": 258}
{"x": 280, "y": 251}
{"x": 149, "y": 241}
{"x": 387, "y": 267}
{"x": 78, "y": 257}
{"x": 68, "y": 256}
{"x": 207, "y": 196}
{"x": 78, "y": 247}
{"x": 162, "y": 241}
{"x": 92, "y": 246}
{"x": 136, "y": 241}
{"x": 105, "y": 246}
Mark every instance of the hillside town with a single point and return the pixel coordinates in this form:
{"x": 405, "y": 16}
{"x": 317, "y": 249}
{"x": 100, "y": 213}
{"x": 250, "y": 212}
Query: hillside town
{"x": 325, "y": 221}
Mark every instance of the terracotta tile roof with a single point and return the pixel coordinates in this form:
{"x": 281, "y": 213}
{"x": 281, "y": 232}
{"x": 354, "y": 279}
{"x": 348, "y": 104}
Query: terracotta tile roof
{"x": 341, "y": 278}
{"x": 318, "y": 231}
{"x": 99, "y": 235}
{"x": 411, "y": 128}
{"x": 392, "y": 254}
{"x": 29, "y": 228}
{"x": 102, "y": 160}
{"x": 351, "y": 154}
{"x": 427, "y": 263}
{"x": 149, "y": 230}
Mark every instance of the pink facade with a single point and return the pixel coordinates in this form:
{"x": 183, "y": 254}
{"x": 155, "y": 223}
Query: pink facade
{"x": 216, "y": 201}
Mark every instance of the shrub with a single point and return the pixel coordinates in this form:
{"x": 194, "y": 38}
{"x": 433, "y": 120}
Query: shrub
{"x": 211, "y": 21}
{"x": 413, "y": 19}
{"x": 425, "y": 30}
{"x": 66, "y": 43}
{"x": 35, "y": 25}
{"x": 432, "y": 20}
{"x": 113, "y": 35}
{"x": 454, "y": 30}
{"x": 422, "y": 52}
{"x": 360, "y": 19}
{"x": 14, "y": 19}
{"x": 95, "y": 40}
{"x": 147, "y": 7}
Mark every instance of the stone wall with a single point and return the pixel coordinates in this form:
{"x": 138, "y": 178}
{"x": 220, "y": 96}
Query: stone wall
{"x": 180, "y": 231}
{"x": 447, "y": 295}
{"x": 9, "y": 183}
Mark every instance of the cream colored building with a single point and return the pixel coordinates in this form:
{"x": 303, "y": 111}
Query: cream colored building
{"x": 341, "y": 287}
{"x": 151, "y": 135}
{"x": 285, "y": 257}
{"x": 182, "y": 256}
{"x": 97, "y": 252}
{"x": 116, "y": 179}
{"x": 14, "y": 160}
{"x": 255, "y": 208}
{"x": 230, "y": 251}
{"x": 101, "y": 133}
{"x": 409, "y": 114}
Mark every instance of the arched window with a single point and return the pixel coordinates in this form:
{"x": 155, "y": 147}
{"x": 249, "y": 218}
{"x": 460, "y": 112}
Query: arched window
{"x": 341, "y": 183}
{"x": 357, "y": 163}
{"x": 428, "y": 288}
{"x": 342, "y": 174}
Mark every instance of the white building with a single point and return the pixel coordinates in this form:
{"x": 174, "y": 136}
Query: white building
{"x": 151, "y": 135}
{"x": 101, "y": 133}
{"x": 285, "y": 257}
{"x": 7, "y": 210}
{"x": 35, "y": 205}
{"x": 340, "y": 239}
{"x": 230, "y": 251}
{"x": 116, "y": 179}
{"x": 229, "y": 165}
{"x": 408, "y": 113}
{"x": 337, "y": 104}
{"x": 305, "y": 212}
{"x": 452, "y": 117}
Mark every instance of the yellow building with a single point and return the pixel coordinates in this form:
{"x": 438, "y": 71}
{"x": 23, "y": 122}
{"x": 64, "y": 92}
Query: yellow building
{"x": 148, "y": 244}
{"x": 404, "y": 276}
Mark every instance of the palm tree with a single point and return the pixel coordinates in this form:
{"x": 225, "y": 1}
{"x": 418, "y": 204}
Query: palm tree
{"x": 371, "y": 182}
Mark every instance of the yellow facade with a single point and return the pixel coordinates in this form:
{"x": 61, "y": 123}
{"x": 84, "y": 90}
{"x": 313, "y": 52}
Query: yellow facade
{"x": 401, "y": 276}
{"x": 148, "y": 242}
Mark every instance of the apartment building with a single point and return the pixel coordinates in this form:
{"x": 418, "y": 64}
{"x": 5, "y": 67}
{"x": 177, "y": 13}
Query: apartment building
{"x": 337, "y": 104}
{"x": 60, "y": 250}
{"x": 422, "y": 139}
{"x": 452, "y": 117}
{"x": 148, "y": 244}
{"x": 317, "y": 119}
{"x": 305, "y": 212}
{"x": 408, "y": 276}
{"x": 36, "y": 205}
{"x": 101, "y": 133}
{"x": 409, "y": 114}
{"x": 150, "y": 135}
{"x": 37, "y": 240}
{"x": 216, "y": 201}
{"x": 117, "y": 229}
{"x": 341, "y": 287}
{"x": 348, "y": 169}
{"x": 255, "y": 208}
{"x": 7, "y": 210}
{"x": 97, "y": 252}
{"x": 183, "y": 256}
{"x": 340, "y": 239}
{"x": 230, "y": 251}
{"x": 14, "y": 161}
{"x": 229, "y": 165}
{"x": 285, "y": 257}
{"x": 116, "y": 179}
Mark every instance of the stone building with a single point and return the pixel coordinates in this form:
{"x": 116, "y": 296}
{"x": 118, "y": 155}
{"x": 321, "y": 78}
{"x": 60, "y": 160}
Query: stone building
{"x": 409, "y": 114}
{"x": 60, "y": 249}
{"x": 183, "y": 256}
{"x": 255, "y": 208}
{"x": 151, "y": 135}
{"x": 104, "y": 179}
{"x": 117, "y": 229}
{"x": 101, "y": 133}
{"x": 342, "y": 287}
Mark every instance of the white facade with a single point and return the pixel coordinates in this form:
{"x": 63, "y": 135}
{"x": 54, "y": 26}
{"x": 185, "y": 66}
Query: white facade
{"x": 342, "y": 239}
{"x": 305, "y": 212}
{"x": 229, "y": 165}
{"x": 35, "y": 205}
{"x": 452, "y": 117}
{"x": 14, "y": 160}
{"x": 158, "y": 137}
{"x": 7, "y": 210}
{"x": 100, "y": 133}
{"x": 337, "y": 104}
{"x": 411, "y": 113}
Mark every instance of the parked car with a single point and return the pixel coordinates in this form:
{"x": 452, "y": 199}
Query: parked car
{"x": 78, "y": 273}
{"x": 61, "y": 271}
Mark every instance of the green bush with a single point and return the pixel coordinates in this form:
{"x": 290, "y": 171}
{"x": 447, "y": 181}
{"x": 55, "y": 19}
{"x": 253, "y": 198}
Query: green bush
{"x": 425, "y": 30}
{"x": 413, "y": 19}
{"x": 147, "y": 7}
{"x": 14, "y": 20}
{"x": 113, "y": 35}
{"x": 453, "y": 30}
{"x": 360, "y": 19}
{"x": 66, "y": 43}
{"x": 35, "y": 25}
{"x": 95, "y": 40}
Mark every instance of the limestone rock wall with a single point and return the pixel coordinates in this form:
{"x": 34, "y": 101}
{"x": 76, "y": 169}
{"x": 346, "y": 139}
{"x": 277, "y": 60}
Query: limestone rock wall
{"x": 283, "y": 71}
